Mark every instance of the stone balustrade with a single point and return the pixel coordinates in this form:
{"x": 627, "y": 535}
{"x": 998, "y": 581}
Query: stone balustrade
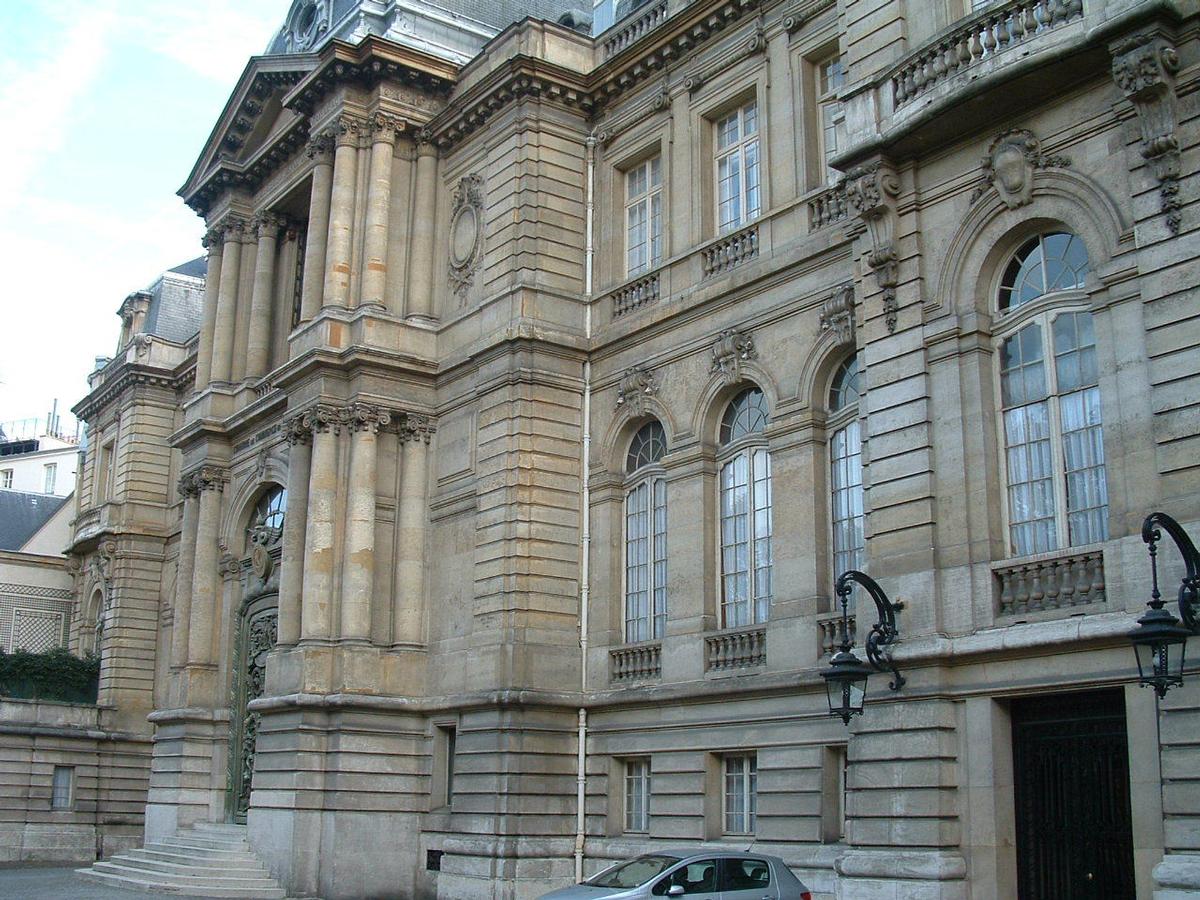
{"x": 736, "y": 649}
{"x": 636, "y": 28}
{"x": 635, "y": 294}
{"x": 981, "y": 35}
{"x": 730, "y": 251}
{"x": 637, "y": 662}
{"x": 829, "y": 626}
{"x": 1069, "y": 579}
{"x": 828, "y": 207}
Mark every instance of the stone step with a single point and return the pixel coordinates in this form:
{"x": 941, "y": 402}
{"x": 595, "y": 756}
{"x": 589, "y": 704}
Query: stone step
{"x": 193, "y": 846}
{"x": 184, "y": 865}
{"x": 145, "y": 881}
{"x": 217, "y": 842}
{"x": 221, "y": 828}
{"x": 137, "y": 870}
{"x": 183, "y": 857}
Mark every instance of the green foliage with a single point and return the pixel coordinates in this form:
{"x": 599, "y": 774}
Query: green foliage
{"x": 51, "y": 675}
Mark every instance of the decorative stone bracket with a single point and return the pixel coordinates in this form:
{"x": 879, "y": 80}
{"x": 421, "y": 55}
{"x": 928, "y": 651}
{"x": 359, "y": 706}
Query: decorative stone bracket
{"x": 730, "y": 350}
{"x": 1144, "y": 67}
{"x": 636, "y": 385}
{"x": 837, "y": 313}
{"x": 756, "y": 43}
{"x": 1009, "y": 166}
{"x": 872, "y": 190}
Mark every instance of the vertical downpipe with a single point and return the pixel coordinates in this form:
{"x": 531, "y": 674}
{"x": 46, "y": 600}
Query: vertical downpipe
{"x": 586, "y": 500}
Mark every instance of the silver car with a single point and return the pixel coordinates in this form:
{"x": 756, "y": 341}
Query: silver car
{"x": 685, "y": 873}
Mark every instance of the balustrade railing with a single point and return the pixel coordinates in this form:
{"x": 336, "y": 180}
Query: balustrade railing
{"x": 985, "y": 33}
{"x": 637, "y": 27}
{"x": 736, "y": 649}
{"x": 827, "y": 207}
{"x": 636, "y": 294}
{"x": 637, "y": 662}
{"x": 730, "y": 251}
{"x": 830, "y": 625}
{"x": 1072, "y": 579}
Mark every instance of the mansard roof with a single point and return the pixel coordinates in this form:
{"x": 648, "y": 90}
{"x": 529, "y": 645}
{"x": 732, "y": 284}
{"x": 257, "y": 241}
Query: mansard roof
{"x": 23, "y": 514}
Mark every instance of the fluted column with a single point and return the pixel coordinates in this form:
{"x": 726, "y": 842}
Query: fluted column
{"x": 295, "y": 518}
{"x": 204, "y": 618}
{"x": 315, "y": 615}
{"x": 341, "y": 212}
{"x": 312, "y": 288}
{"x": 231, "y": 264}
{"x": 184, "y": 572}
{"x": 358, "y": 557}
{"x": 379, "y": 202}
{"x": 241, "y": 330}
{"x": 420, "y": 281}
{"x": 213, "y": 241}
{"x": 410, "y": 527}
{"x": 259, "y": 335}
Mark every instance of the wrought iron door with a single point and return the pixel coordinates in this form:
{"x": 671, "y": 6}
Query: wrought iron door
{"x": 257, "y": 632}
{"x": 1071, "y": 769}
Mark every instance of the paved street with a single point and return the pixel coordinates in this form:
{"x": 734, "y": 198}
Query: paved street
{"x": 62, "y": 884}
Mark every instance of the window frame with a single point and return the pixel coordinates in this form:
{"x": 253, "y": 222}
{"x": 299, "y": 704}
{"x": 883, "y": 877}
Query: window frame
{"x": 643, "y": 779}
{"x": 837, "y": 421}
{"x": 7, "y": 477}
{"x": 49, "y": 477}
{"x": 645, "y": 198}
{"x": 823, "y": 99}
{"x": 748, "y": 781}
{"x": 719, "y": 153}
{"x": 69, "y": 802}
{"x": 652, "y": 477}
{"x": 1042, "y": 310}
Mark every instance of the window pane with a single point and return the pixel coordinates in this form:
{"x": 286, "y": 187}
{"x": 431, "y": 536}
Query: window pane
{"x": 1083, "y": 459}
{"x": 752, "y": 196}
{"x": 1030, "y": 486}
{"x": 846, "y": 502}
{"x": 637, "y": 619}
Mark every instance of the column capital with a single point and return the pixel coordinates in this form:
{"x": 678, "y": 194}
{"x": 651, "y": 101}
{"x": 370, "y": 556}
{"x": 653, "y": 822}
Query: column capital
{"x": 214, "y": 239}
{"x": 320, "y": 147}
{"x": 366, "y": 417}
{"x": 417, "y": 428}
{"x": 296, "y": 430}
{"x": 425, "y": 144}
{"x": 204, "y": 478}
{"x": 268, "y": 224}
{"x": 347, "y": 130}
{"x": 232, "y": 229}
{"x": 386, "y": 128}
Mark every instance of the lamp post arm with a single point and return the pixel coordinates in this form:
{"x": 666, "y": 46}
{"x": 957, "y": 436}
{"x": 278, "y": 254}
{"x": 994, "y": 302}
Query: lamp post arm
{"x": 1189, "y": 589}
{"x": 884, "y": 632}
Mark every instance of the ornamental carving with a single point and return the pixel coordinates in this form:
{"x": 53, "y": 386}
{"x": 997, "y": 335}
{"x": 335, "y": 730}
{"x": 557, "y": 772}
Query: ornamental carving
{"x": 754, "y": 44}
{"x": 205, "y": 478}
{"x": 365, "y": 417}
{"x": 257, "y": 635}
{"x": 871, "y": 191}
{"x": 466, "y": 233}
{"x": 319, "y": 146}
{"x": 416, "y": 428}
{"x": 229, "y": 566}
{"x": 386, "y": 128}
{"x": 803, "y": 13}
{"x": 636, "y": 385}
{"x": 141, "y": 344}
{"x": 268, "y": 224}
{"x": 1009, "y": 165}
{"x": 306, "y": 23}
{"x": 347, "y": 129}
{"x": 837, "y": 314}
{"x": 729, "y": 351}
{"x": 1144, "y": 68}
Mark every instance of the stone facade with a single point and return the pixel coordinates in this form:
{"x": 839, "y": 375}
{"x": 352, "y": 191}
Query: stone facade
{"x": 426, "y": 319}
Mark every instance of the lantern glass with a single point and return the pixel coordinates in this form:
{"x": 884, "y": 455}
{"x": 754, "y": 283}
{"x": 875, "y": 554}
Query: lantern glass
{"x": 846, "y": 685}
{"x": 1160, "y": 645}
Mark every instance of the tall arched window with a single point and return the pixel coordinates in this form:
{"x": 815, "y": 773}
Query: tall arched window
{"x": 845, "y": 469}
{"x": 1050, "y": 400}
{"x": 746, "y": 556}
{"x": 646, "y": 536}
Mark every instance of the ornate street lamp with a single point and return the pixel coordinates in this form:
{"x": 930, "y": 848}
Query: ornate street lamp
{"x": 846, "y": 677}
{"x": 1160, "y": 640}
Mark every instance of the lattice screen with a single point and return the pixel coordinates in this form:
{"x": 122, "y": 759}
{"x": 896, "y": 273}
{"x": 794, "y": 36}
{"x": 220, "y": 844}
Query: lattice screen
{"x": 37, "y": 630}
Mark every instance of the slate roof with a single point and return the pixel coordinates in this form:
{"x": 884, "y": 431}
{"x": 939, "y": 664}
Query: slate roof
{"x": 22, "y": 514}
{"x": 177, "y": 303}
{"x": 193, "y": 268}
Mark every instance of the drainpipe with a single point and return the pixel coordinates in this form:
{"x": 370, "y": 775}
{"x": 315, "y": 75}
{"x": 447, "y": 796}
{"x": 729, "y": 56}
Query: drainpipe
{"x": 586, "y": 500}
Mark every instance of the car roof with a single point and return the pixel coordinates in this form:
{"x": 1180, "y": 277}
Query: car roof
{"x": 693, "y": 853}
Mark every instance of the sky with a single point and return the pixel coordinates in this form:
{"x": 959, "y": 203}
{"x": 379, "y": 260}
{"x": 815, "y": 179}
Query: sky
{"x": 104, "y": 106}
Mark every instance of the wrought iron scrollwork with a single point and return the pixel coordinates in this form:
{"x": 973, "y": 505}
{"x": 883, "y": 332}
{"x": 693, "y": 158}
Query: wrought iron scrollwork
{"x": 1189, "y": 589}
{"x": 883, "y": 633}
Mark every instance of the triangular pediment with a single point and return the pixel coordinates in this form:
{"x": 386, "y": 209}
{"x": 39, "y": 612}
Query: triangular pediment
{"x": 253, "y": 114}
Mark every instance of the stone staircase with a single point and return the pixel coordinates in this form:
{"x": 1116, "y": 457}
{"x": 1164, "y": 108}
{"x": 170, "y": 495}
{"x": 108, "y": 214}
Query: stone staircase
{"x": 207, "y": 860}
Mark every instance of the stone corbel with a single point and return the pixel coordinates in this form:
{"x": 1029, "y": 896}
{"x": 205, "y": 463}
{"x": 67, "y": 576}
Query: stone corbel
{"x": 756, "y": 43}
{"x": 837, "y": 314}
{"x": 730, "y": 350}
{"x": 872, "y": 190}
{"x": 636, "y": 385}
{"x": 803, "y": 13}
{"x": 1144, "y": 67}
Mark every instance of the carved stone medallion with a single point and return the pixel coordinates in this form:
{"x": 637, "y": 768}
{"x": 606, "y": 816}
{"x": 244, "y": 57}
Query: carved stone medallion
{"x": 466, "y": 233}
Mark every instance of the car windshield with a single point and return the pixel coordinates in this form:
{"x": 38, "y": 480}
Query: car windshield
{"x": 632, "y": 874}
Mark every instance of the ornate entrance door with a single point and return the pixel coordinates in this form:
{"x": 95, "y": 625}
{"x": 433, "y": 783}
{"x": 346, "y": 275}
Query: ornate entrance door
{"x": 1071, "y": 768}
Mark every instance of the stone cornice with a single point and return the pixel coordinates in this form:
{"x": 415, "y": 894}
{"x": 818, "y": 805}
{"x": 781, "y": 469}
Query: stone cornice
{"x": 130, "y": 376}
{"x": 249, "y": 175}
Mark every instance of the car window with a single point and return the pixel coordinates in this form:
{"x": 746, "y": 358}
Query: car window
{"x": 698, "y": 877}
{"x": 633, "y": 873}
{"x": 745, "y": 875}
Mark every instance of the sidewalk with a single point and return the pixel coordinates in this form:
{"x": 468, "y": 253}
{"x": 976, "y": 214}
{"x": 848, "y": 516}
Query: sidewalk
{"x": 45, "y": 883}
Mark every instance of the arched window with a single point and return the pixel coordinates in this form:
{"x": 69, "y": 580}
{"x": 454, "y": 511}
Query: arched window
{"x": 845, "y": 469}
{"x": 746, "y": 556}
{"x": 270, "y": 510}
{"x": 1050, "y": 402}
{"x": 646, "y": 536}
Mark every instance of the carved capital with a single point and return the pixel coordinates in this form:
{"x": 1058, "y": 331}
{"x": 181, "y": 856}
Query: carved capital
{"x": 204, "y": 478}
{"x": 837, "y": 313}
{"x": 230, "y": 566}
{"x": 347, "y": 130}
{"x": 1009, "y": 165}
{"x": 730, "y": 349}
{"x": 319, "y": 147}
{"x": 366, "y": 417}
{"x": 323, "y": 418}
{"x": 296, "y": 430}
{"x": 214, "y": 240}
{"x": 268, "y": 224}
{"x": 232, "y": 229}
{"x": 871, "y": 191}
{"x": 417, "y": 428}
{"x": 636, "y": 385}
{"x": 386, "y": 128}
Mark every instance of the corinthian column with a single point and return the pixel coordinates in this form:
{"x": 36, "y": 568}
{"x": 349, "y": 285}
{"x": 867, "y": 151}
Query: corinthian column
{"x": 320, "y": 150}
{"x": 379, "y": 203}
{"x": 212, "y": 278}
{"x": 341, "y": 213}
{"x": 420, "y": 276}
{"x": 184, "y": 572}
{"x": 259, "y": 335}
{"x": 315, "y": 615}
{"x": 204, "y": 619}
{"x": 295, "y": 517}
{"x": 358, "y": 558}
{"x": 410, "y": 529}
{"x": 222, "y": 355}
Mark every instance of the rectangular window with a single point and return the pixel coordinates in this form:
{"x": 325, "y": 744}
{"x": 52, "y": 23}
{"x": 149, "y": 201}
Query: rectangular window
{"x": 845, "y": 458}
{"x": 738, "y": 196}
{"x": 51, "y": 475}
{"x": 449, "y": 762}
{"x": 831, "y": 75}
{"x": 741, "y": 786}
{"x": 6, "y": 479}
{"x": 104, "y": 471}
{"x": 643, "y": 216}
{"x": 746, "y": 527}
{"x": 646, "y": 561}
{"x": 637, "y": 795}
{"x": 62, "y": 793}
{"x": 441, "y": 789}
